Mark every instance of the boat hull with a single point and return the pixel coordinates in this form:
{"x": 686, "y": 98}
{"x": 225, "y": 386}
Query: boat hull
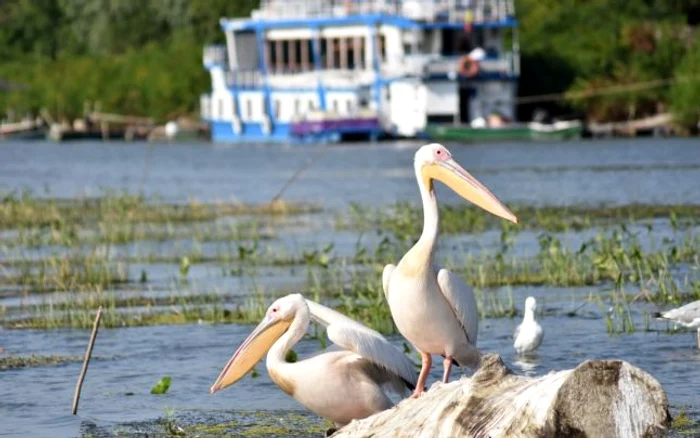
{"x": 466, "y": 133}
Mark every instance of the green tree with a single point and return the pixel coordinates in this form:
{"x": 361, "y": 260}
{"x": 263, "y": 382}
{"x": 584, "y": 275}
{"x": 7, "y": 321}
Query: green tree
{"x": 685, "y": 92}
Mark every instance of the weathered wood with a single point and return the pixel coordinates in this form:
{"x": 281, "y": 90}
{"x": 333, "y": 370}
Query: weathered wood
{"x": 659, "y": 121}
{"x": 599, "y": 398}
{"x": 86, "y": 361}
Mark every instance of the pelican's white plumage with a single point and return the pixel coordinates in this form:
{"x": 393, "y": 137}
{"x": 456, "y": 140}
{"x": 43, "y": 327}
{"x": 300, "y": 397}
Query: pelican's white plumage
{"x": 528, "y": 335}
{"x": 687, "y": 316}
{"x": 339, "y": 384}
{"x": 432, "y": 307}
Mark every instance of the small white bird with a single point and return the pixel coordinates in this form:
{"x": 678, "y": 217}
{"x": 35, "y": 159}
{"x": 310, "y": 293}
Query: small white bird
{"x": 528, "y": 335}
{"x": 687, "y": 316}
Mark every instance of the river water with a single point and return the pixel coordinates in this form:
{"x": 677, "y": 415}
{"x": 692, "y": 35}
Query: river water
{"x": 128, "y": 361}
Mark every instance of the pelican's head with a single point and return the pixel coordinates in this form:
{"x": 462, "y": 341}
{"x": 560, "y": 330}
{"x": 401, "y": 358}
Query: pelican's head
{"x": 530, "y": 304}
{"x": 434, "y": 162}
{"x": 278, "y": 318}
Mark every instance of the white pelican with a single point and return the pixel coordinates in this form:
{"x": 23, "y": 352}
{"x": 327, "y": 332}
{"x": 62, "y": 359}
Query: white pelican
{"x": 432, "y": 307}
{"x": 339, "y": 384}
{"x": 528, "y": 335}
{"x": 688, "y": 316}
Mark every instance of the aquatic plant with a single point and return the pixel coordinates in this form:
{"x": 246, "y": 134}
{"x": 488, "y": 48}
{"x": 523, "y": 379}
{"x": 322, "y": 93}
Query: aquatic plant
{"x": 162, "y": 386}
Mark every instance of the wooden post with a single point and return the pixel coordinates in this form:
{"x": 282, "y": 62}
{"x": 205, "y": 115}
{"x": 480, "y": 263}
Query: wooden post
{"x": 86, "y": 360}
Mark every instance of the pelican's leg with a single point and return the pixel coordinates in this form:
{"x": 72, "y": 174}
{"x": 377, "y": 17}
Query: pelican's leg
{"x": 427, "y": 362}
{"x": 447, "y": 363}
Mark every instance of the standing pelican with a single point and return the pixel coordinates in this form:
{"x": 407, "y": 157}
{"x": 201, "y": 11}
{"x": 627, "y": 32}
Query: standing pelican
{"x": 340, "y": 385}
{"x": 432, "y": 307}
{"x": 528, "y": 335}
{"x": 688, "y": 316}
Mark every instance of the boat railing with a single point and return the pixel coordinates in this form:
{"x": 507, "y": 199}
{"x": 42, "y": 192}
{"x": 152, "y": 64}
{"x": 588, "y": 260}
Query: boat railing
{"x": 244, "y": 79}
{"x": 297, "y": 78}
{"x": 420, "y": 10}
{"x": 214, "y": 55}
{"x": 435, "y": 65}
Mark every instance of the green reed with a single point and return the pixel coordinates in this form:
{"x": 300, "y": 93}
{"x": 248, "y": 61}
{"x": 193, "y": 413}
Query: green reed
{"x": 405, "y": 218}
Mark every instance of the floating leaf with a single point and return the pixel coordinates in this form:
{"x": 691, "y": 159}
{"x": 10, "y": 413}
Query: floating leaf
{"x": 162, "y": 386}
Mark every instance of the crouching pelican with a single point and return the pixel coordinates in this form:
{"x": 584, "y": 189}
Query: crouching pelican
{"x": 432, "y": 307}
{"x": 687, "y": 316}
{"x": 341, "y": 384}
{"x": 528, "y": 335}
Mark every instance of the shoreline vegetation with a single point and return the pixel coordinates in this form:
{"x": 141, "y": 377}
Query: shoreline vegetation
{"x": 60, "y": 54}
{"x": 63, "y": 258}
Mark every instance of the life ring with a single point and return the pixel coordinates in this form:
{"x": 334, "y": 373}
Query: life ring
{"x": 468, "y": 67}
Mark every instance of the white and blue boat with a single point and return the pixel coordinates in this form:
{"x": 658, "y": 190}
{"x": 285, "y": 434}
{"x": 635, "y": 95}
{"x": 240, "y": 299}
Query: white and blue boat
{"x": 322, "y": 70}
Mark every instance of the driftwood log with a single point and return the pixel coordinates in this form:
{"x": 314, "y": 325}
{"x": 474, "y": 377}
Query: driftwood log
{"x": 599, "y": 398}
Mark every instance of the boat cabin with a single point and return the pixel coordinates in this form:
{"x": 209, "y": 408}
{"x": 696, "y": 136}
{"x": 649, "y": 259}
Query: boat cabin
{"x": 360, "y": 68}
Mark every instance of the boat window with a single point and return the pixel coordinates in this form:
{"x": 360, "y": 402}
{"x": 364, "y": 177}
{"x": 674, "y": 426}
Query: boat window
{"x": 336, "y": 52}
{"x": 221, "y": 108}
{"x": 271, "y": 55}
{"x": 286, "y": 46}
{"x": 297, "y": 52}
{"x": 348, "y": 106}
{"x": 324, "y": 52}
{"x": 382, "y": 48}
{"x": 310, "y": 50}
{"x": 352, "y": 63}
{"x": 312, "y": 105}
{"x": 335, "y": 105}
{"x": 249, "y": 109}
{"x": 296, "y": 107}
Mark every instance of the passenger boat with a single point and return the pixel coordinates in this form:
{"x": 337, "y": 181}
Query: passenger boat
{"x": 326, "y": 70}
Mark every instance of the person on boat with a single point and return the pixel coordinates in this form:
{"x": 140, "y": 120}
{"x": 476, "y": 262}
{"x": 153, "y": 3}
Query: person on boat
{"x": 469, "y": 63}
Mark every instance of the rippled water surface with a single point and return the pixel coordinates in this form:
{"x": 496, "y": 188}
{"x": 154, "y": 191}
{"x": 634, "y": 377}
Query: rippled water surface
{"x": 128, "y": 361}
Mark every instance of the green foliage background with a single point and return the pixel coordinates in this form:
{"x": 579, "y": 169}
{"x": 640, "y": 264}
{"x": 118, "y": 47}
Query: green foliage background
{"x": 144, "y": 56}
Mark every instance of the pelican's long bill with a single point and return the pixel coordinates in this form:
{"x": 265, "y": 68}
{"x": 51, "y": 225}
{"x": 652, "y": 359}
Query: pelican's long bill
{"x": 466, "y": 186}
{"x": 250, "y": 352}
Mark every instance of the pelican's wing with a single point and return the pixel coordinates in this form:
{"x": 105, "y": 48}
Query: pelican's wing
{"x": 388, "y": 269}
{"x": 685, "y": 315}
{"x": 363, "y": 341}
{"x": 461, "y": 299}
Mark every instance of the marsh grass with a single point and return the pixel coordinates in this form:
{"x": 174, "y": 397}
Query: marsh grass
{"x": 87, "y": 273}
{"x": 81, "y": 234}
{"x": 404, "y": 218}
{"x": 32, "y": 361}
{"x": 23, "y": 209}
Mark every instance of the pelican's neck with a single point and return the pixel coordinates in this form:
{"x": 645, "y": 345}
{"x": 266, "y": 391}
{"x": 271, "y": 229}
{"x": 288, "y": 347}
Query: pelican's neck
{"x": 277, "y": 354}
{"x": 430, "y": 212}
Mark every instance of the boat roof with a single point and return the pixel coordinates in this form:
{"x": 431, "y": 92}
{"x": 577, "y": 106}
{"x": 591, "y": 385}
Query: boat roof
{"x": 400, "y": 13}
